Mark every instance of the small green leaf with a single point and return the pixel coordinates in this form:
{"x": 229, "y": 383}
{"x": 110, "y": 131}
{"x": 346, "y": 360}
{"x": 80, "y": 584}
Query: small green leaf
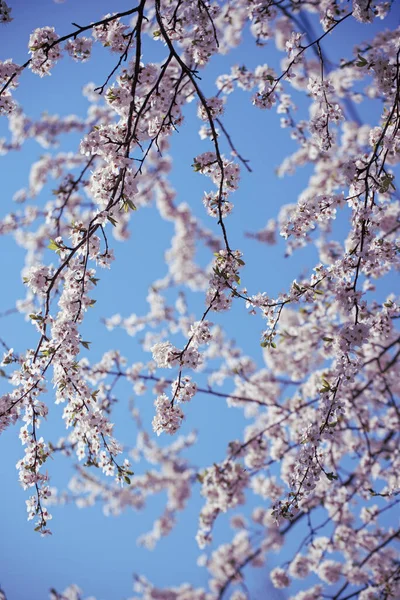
{"x": 131, "y": 205}
{"x": 112, "y": 221}
{"x": 386, "y": 182}
{"x": 361, "y": 61}
{"x": 53, "y": 245}
{"x": 35, "y": 317}
{"x": 200, "y": 476}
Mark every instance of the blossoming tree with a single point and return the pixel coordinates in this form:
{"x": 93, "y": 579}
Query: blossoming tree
{"x": 318, "y": 454}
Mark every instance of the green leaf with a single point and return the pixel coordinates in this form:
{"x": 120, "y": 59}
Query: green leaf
{"x": 386, "y": 182}
{"x": 53, "y": 245}
{"x": 112, "y": 221}
{"x": 361, "y": 61}
{"x": 131, "y": 205}
{"x": 48, "y": 352}
{"x": 200, "y": 476}
{"x": 35, "y": 317}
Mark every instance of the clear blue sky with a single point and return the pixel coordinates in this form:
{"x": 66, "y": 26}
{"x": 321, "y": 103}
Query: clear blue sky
{"x": 98, "y": 553}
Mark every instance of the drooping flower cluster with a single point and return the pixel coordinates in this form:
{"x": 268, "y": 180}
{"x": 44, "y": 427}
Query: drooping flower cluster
{"x": 223, "y": 487}
{"x": 168, "y": 418}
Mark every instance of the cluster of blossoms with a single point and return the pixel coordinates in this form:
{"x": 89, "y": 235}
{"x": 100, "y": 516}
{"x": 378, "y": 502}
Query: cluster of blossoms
{"x": 200, "y": 332}
{"x": 309, "y": 211}
{"x": 213, "y": 107}
{"x": 209, "y": 164}
{"x": 8, "y": 75}
{"x": 165, "y": 354}
{"x": 365, "y": 11}
{"x": 44, "y": 50}
{"x": 79, "y": 49}
{"x": 224, "y": 280}
{"x": 192, "y": 27}
{"x": 91, "y": 428}
{"x": 263, "y": 79}
{"x": 183, "y": 389}
{"x": 225, "y": 563}
{"x": 223, "y": 487}
{"x": 225, "y": 175}
{"x": 324, "y": 113}
{"x": 113, "y": 34}
{"x": 38, "y": 279}
{"x": 5, "y": 12}
{"x": 169, "y": 416}
{"x": 24, "y": 401}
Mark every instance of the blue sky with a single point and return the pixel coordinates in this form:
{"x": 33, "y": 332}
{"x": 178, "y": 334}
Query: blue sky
{"x": 100, "y": 554}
